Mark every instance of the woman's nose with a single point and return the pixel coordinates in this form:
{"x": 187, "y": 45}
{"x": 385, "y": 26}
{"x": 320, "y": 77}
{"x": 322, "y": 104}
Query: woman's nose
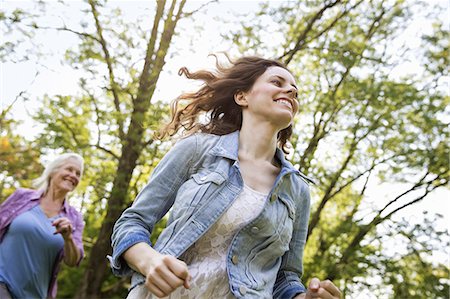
{"x": 291, "y": 91}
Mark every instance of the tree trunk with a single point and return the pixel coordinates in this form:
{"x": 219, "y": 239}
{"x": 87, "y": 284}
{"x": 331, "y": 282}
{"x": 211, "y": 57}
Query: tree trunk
{"x": 97, "y": 268}
{"x": 132, "y": 146}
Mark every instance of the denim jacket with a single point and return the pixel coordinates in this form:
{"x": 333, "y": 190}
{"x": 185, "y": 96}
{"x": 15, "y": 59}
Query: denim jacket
{"x": 198, "y": 179}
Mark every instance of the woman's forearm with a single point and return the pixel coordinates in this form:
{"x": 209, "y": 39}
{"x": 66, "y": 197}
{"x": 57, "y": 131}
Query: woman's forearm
{"x": 140, "y": 256}
{"x": 71, "y": 252}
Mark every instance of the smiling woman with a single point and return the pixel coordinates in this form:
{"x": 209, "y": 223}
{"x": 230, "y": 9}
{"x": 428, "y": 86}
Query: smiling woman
{"x": 239, "y": 209}
{"x": 38, "y": 230}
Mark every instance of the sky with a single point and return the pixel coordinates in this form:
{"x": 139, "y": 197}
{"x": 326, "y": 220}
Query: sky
{"x": 59, "y": 78}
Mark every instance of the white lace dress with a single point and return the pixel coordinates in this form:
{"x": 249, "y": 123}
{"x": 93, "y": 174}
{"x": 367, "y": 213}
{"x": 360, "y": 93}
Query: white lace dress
{"x": 206, "y": 259}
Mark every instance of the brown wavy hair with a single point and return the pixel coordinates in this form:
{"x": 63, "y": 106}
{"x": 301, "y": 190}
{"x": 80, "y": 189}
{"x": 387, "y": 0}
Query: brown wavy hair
{"x": 214, "y": 101}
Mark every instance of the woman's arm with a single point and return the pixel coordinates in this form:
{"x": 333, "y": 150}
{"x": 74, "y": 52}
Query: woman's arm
{"x": 136, "y": 223}
{"x": 72, "y": 253}
{"x": 288, "y": 282}
{"x": 6, "y": 208}
{"x": 163, "y": 273}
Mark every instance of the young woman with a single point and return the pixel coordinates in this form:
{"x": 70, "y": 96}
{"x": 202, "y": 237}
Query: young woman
{"x": 239, "y": 210}
{"x": 38, "y": 230}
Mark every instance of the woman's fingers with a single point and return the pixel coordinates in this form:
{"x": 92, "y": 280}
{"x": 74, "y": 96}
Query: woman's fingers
{"x": 162, "y": 283}
{"x": 155, "y": 290}
{"x": 179, "y": 268}
{"x": 322, "y": 290}
{"x": 63, "y": 226}
{"x": 330, "y": 288}
{"x": 187, "y": 282}
{"x": 166, "y": 275}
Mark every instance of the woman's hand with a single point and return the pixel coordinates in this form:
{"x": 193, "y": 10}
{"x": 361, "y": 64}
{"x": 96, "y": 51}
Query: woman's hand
{"x": 163, "y": 273}
{"x": 166, "y": 274}
{"x": 320, "y": 289}
{"x": 64, "y": 227}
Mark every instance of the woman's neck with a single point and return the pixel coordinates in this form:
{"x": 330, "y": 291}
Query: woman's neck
{"x": 54, "y": 196}
{"x": 258, "y": 141}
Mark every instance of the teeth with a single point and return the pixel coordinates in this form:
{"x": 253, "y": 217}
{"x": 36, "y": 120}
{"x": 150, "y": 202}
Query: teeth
{"x": 285, "y": 102}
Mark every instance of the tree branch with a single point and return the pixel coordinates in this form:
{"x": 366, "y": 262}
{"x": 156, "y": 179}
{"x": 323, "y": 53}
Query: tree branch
{"x": 413, "y": 188}
{"x": 301, "y": 40}
{"x": 353, "y": 179}
{"x": 188, "y": 14}
{"x": 81, "y": 34}
{"x": 108, "y": 60}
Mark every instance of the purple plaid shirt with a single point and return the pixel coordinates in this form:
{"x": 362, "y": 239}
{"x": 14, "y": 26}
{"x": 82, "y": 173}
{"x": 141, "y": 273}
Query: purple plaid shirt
{"x": 23, "y": 200}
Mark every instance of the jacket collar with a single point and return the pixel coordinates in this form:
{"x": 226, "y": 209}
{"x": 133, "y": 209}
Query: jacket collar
{"x": 36, "y": 195}
{"x": 228, "y": 146}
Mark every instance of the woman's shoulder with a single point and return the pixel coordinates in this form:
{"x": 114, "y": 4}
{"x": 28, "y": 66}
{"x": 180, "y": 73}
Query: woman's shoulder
{"x": 307, "y": 179}
{"x": 74, "y": 210}
{"x": 198, "y": 140}
{"x": 302, "y": 182}
{"x": 26, "y": 192}
{"x": 21, "y": 197}
{"x": 74, "y": 213}
{"x": 201, "y": 136}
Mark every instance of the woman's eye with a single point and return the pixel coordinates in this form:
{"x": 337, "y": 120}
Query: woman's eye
{"x": 276, "y": 82}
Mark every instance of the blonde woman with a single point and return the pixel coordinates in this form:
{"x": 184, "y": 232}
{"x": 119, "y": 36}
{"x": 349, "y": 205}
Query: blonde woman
{"x": 38, "y": 230}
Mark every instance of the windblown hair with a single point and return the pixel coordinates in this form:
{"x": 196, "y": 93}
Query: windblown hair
{"x": 214, "y": 101}
{"x": 43, "y": 182}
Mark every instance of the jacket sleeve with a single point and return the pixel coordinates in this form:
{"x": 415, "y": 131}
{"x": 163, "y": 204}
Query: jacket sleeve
{"x": 136, "y": 223}
{"x": 78, "y": 235}
{"x": 7, "y": 211}
{"x": 288, "y": 282}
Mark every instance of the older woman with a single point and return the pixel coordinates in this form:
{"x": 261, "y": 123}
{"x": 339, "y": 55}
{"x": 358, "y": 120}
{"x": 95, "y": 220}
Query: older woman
{"x": 39, "y": 229}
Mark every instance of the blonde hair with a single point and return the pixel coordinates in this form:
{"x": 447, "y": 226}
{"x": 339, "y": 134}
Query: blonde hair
{"x": 43, "y": 182}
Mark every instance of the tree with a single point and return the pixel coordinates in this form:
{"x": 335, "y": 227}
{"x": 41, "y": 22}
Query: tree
{"x": 130, "y": 116}
{"x": 120, "y": 151}
{"x": 19, "y": 158}
{"x": 384, "y": 128}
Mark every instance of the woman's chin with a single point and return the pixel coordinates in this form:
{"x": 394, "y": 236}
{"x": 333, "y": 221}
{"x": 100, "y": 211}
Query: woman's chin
{"x": 284, "y": 122}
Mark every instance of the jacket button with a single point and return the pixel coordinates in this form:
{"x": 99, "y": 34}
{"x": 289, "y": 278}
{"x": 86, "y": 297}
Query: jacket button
{"x": 255, "y": 229}
{"x": 202, "y": 178}
{"x": 243, "y": 290}
{"x": 234, "y": 259}
{"x": 273, "y": 197}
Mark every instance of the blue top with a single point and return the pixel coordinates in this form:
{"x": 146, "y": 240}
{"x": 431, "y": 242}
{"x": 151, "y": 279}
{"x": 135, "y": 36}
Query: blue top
{"x": 21, "y": 201}
{"x": 28, "y": 253}
{"x": 198, "y": 179}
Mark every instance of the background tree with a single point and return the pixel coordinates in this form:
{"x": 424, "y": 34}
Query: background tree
{"x": 123, "y": 109}
{"x": 112, "y": 125}
{"x": 361, "y": 124}
{"x": 382, "y": 129}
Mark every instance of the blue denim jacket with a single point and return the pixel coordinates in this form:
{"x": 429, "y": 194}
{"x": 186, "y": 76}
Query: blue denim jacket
{"x": 198, "y": 179}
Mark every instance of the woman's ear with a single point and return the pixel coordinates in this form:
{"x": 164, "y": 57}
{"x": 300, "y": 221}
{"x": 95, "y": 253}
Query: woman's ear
{"x": 240, "y": 99}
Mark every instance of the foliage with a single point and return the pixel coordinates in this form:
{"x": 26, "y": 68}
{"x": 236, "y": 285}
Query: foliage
{"x": 384, "y": 127}
{"x": 19, "y": 159}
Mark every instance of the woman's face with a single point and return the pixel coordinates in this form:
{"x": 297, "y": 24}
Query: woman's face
{"x": 67, "y": 177}
{"x": 273, "y": 97}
